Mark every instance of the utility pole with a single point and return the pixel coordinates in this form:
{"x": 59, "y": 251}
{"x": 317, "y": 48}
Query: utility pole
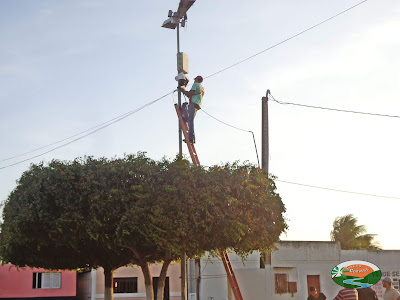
{"x": 175, "y": 20}
{"x": 264, "y": 151}
{"x": 265, "y": 135}
{"x": 184, "y": 290}
{"x": 179, "y": 94}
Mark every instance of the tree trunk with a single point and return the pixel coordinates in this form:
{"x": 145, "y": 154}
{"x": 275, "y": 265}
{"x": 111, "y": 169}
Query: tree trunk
{"x": 161, "y": 280}
{"x": 148, "y": 282}
{"x": 183, "y": 276}
{"x": 108, "y": 284}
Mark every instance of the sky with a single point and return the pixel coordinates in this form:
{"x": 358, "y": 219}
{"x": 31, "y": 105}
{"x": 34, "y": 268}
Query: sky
{"x": 68, "y": 66}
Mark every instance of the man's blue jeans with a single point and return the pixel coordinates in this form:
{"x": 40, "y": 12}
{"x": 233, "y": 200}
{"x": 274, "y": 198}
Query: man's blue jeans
{"x": 192, "y": 113}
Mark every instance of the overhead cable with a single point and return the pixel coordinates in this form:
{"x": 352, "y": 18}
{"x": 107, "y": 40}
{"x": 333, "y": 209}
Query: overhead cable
{"x": 67, "y": 138}
{"x": 237, "y": 128}
{"x": 336, "y": 190}
{"x": 245, "y": 130}
{"x": 288, "y": 39}
{"x": 332, "y": 109}
{"x": 106, "y": 124}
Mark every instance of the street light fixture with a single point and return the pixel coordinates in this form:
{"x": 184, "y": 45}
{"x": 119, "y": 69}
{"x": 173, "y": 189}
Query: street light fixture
{"x": 175, "y": 18}
{"x": 170, "y": 23}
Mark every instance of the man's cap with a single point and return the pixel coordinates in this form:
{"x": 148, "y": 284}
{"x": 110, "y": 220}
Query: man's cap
{"x": 387, "y": 279}
{"x": 200, "y": 78}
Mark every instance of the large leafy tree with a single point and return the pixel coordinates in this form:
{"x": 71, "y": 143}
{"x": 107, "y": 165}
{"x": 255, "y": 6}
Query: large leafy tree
{"x": 151, "y": 209}
{"x": 351, "y": 235}
{"x": 196, "y": 210}
{"x": 45, "y": 219}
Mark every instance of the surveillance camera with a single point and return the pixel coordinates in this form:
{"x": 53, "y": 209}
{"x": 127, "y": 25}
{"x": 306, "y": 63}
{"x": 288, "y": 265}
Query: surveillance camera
{"x": 182, "y": 80}
{"x": 170, "y": 13}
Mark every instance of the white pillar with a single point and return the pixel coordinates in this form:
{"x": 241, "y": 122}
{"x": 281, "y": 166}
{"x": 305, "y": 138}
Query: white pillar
{"x": 93, "y": 289}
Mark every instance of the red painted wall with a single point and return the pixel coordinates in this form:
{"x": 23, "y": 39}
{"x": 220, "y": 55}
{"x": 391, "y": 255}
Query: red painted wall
{"x": 16, "y": 283}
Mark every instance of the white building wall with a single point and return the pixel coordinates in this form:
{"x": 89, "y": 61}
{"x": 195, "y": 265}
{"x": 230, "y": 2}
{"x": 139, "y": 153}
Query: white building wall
{"x": 214, "y": 282}
{"x": 297, "y": 260}
{"x": 388, "y": 261}
{"x": 255, "y": 282}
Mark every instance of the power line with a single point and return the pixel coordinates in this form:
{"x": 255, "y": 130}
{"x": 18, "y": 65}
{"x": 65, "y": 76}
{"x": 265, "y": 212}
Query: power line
{"x": 254, "y": 139}
{"x": 65, "y": 139}
{"x": 295, "y": 183}
{"x": 333, "y": 109}
{"x": 288, "y": 39}
{"x": 336, "y": 190}
{"x": 307, "y": 185}
{"x": 237, "y": 128}
{"x": 108, "y": 123}
{"x": 332, "y": 189}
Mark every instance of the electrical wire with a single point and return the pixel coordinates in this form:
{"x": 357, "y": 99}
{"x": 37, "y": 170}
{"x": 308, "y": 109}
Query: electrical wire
{"x": 65, "y": 139}
{"x": 332, "y": 189}
{"x": 288, "y": 39}
{"x": 103, "y": 125}
{"x": 332, "y": 109}
{"x": 237, "y": 128}
{"x": 244, "y": 130}
{"x": 336, "y": 190}
{"x": 106, "y": 124}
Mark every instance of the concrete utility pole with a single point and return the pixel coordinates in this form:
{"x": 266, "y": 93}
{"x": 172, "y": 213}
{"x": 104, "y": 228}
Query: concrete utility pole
{"x": 264, "y": 150}
{"x": 265, "y": 136}
{"x": 179, "y": 94}
{"x": 175, "y": 20}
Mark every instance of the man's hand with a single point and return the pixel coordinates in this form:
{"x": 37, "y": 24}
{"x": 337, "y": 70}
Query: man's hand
{"x": 183, "y": 91}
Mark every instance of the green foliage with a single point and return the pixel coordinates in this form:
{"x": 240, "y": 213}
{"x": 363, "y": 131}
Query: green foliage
{"x": 46, "y": 218}
{"x": 197, "y": 210}
{"x": 98, "y": 212}
{"x": 352, "y": 236}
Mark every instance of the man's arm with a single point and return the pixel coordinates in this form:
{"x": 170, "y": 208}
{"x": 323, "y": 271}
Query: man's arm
{"x": 187, "y": 93}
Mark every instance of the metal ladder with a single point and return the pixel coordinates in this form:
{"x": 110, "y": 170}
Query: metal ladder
{"x": 224, "y": 255}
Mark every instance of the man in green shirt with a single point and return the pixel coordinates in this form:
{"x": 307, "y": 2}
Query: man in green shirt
{"x": 195, "y": 96}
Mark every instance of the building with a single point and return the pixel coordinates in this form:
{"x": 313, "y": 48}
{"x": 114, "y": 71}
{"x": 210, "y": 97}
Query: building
{"x": 27, "y": 283}
{"x": 291, "y": 270}
{"x": 129, "y": 283}
{"x": 285, "y": 274}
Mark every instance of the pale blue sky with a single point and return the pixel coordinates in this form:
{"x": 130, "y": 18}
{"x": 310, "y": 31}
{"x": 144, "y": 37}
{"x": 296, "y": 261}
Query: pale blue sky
{"x": 66, "y": 66}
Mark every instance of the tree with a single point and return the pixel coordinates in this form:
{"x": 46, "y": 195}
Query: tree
{"x": 352, "y": 236}
{"x": 45, "y": 220}
{"x": 196, "y": 210}
{"x": 152, "y": 209}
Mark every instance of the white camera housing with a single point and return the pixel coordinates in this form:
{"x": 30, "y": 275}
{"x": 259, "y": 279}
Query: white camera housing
{"x": 182, "y": 80}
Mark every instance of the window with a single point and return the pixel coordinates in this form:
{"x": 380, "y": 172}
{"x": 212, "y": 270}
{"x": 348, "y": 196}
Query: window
{"x": 125, "y": 285}
{"x": 281, "y": 283}
{"x": 46, "y": 281}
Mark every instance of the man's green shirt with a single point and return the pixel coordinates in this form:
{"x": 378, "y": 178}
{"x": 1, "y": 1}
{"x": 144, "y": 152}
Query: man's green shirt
{"x": 197, "y": 98}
